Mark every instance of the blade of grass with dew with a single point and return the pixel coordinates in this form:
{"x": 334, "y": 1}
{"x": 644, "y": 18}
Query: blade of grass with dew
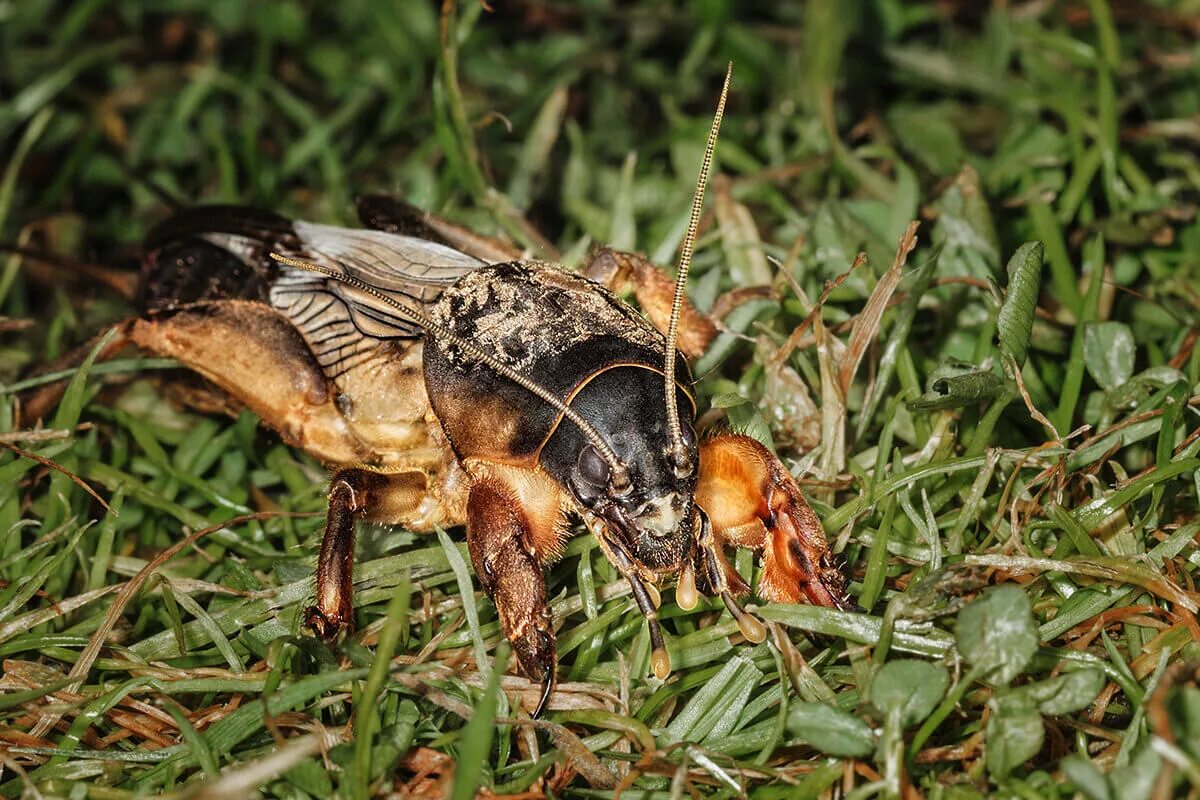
{"x": 467, "y": 592}
{"x": 476, "y": 739}
{"x": 366, "y": 716}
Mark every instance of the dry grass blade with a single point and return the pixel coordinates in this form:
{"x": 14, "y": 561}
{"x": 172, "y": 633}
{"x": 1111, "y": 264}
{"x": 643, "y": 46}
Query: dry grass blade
{"x": 46, "y": 462}
{"x": 57, "y": 610}
{"x": 146, "y": 721}
{"x": 739, "y": 238}
{"x": 581, "y": 758}
{"x": 52, "y": 269}
{"x": 243, "y": 781}
{"x": 830, "y": 352}
{"x": 8, "y": 325}
{"x": 1106, "y": 568}
{"x": 866, "y": 325}
{"x": 50, "y": 435}
{"x": 797, "y": 334}
{"x": 1029, "y": 406}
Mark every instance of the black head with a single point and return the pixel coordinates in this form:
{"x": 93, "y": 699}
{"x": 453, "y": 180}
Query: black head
{"x": 652, "y": 520}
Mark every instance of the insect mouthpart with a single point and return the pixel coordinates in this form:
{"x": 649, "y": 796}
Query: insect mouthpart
{"x": 662, "y": 516}
{"x": 657, "y": 535}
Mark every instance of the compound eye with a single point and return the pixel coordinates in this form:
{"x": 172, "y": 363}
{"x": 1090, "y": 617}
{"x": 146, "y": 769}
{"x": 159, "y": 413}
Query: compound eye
{"x": 592, "y": 466}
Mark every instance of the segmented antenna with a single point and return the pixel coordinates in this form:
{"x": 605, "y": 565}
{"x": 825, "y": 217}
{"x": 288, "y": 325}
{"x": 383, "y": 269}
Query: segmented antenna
{"x": 677, "y": 449}
{"x": 618, "y": 474}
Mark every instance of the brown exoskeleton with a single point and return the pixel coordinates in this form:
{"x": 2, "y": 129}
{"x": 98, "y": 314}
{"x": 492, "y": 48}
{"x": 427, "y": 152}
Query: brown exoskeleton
{"x": 447, "y": 383}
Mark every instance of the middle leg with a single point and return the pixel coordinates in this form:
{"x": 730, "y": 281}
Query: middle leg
{"x": 417, "y": 497}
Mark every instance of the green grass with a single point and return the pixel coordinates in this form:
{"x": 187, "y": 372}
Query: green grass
{"x": 1025, "y": 550}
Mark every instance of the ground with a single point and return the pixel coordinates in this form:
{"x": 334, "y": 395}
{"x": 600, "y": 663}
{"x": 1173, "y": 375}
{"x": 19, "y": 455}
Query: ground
{"x": 999, "y": 431}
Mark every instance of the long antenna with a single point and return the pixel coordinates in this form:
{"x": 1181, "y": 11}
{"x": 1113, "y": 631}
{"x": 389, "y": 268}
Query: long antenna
{"x": 618, "y": 474}
{"x": 677, "y": 449}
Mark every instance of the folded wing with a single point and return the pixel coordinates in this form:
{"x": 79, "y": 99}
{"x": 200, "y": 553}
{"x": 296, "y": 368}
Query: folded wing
{"x": 223, "y": 253}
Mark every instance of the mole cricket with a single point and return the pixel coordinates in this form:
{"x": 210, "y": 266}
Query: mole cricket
{"x": 446, "y": 381}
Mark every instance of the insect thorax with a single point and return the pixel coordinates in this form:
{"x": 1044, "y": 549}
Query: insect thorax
{"x": 557, "y": 328}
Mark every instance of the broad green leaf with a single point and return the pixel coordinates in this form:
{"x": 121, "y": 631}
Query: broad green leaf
{"x": 1137, "y": 779}
{"x": 966, "y": 229}
{"x": 748, "y": 419}
{"x": 1014, "y": 735}
{"x": 477, "y": 735}
{"x": 1141, "y": 385}
{"x": 1089, "y": 780}
{"x": 1065, "y": 693}
{"x": 928, "y": 133}
{"x": 312, "y": 777}
{"x": 1151, "y": 319}
{"x": 831, "y": 730}
{"x": 1108, "y": 353}
{"x": 996, "y": 633}
{"x": 913, "y": 686}
{"x": 394, "y": 740}
{"x": 745, "y": 417}
{"x": 1183, "y": 710}
{"x": 1015, "y": 323}
{"x": 955, "y": 391}
{"x": 945, "y": 69}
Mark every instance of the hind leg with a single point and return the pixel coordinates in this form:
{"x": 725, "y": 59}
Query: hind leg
{"x": 37, "y": 403}
{"x": 245, "y": 349}
{"x": 258, "y": 357}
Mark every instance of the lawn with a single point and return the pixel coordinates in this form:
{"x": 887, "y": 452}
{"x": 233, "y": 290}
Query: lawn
{"x": 1000, "y": 429}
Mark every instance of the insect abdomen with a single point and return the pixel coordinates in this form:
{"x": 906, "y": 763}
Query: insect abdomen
{"x": 212, "y": 253}
{"x": 192, "y": 270}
